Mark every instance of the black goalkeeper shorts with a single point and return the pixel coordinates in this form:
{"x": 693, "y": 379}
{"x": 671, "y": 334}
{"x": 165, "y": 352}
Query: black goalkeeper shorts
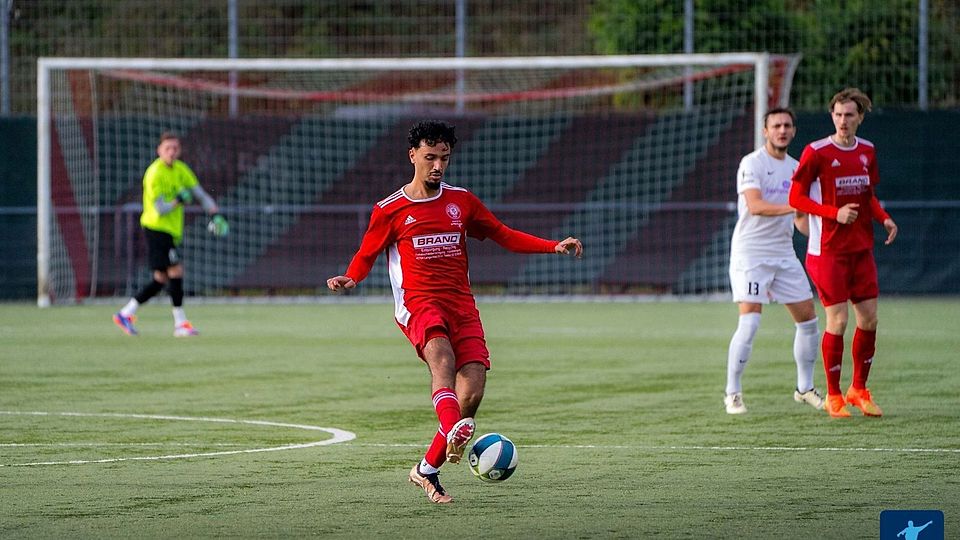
{"x": 161, "y": 251}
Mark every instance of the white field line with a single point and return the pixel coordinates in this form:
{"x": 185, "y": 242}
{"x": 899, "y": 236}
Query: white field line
{"x": 339, "y": 436}
{"x": 118, "y": 444}
{"x": 643, "y": 448}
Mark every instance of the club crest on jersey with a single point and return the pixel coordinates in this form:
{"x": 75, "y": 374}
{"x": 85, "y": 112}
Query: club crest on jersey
{"x": 453, "y": 211}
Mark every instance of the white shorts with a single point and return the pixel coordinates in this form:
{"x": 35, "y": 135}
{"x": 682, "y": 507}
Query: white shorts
{"x": 761, "y": 281}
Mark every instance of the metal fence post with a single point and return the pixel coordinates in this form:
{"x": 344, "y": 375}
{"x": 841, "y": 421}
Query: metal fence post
{"x": 923, "y": 51}
{"x": 233, "y": 49}
{"x": 5, "y": 6}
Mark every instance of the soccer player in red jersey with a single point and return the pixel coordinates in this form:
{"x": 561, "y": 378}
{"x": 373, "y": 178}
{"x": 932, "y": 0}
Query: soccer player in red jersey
{"x": 835, "y": 183}
{"x": 423, "y": 227}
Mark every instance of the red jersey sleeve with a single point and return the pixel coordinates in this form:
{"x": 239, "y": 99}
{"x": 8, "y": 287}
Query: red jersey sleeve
{"x": 521, "y": 242}
{"x": 877, "y": 211}
{"x": 375, "y": 240}
{"x": 803, "y": 178}
{"x": 486, "y": 225}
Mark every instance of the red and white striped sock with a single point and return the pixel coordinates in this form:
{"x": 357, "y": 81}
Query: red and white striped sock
{"x": 448, "y": 412}
{"x": 448, "y": 408}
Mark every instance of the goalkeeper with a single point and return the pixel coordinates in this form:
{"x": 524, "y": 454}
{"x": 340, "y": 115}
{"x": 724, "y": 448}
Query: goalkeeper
{"x": 168, "y": 186}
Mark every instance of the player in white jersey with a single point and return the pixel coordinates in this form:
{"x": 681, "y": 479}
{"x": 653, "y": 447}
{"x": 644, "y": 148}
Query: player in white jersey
{"x": 763, "y": 264}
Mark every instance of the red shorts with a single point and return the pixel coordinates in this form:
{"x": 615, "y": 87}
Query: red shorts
{"x": 845, "y": 276}
{"x": 461, "y": 326}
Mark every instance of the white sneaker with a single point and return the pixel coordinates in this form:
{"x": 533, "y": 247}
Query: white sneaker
{"x": 185, "y": 329}
{"x": 811, "y": 397}
{"x": 734, "y": 403}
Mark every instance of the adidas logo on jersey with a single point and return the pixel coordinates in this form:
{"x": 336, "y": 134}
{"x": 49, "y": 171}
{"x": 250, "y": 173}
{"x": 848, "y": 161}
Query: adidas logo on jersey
{"x": 836, "y": 163}
{"x": 409, "y": 220}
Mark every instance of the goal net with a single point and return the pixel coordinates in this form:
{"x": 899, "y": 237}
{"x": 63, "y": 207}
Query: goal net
{"x": 635, "y": 155}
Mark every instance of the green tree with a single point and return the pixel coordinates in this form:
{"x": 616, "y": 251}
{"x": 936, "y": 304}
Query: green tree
{"x": 864, "y": 43}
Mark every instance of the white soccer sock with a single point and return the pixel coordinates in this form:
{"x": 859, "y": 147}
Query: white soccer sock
{"x": 426, "y": 468}
{"x": 179, "y": 317}
{"x": 741, "y": 344}
{"x": 131, "y": 308}
{"x": 806, "y": 342}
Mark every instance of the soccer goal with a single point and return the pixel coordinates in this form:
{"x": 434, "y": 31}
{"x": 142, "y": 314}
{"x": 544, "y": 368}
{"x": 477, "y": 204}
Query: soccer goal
{"x": 635, "y": 155}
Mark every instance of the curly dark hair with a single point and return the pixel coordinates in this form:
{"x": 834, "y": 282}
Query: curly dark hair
{"x": 432, "y": 132}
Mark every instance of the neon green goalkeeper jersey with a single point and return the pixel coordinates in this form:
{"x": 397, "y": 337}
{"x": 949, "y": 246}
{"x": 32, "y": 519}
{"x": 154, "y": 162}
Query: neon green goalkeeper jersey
{"x": 163, "y": 182}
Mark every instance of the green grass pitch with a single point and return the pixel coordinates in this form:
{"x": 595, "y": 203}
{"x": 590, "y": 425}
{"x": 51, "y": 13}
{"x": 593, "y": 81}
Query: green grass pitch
{"x": 615, "y": 407}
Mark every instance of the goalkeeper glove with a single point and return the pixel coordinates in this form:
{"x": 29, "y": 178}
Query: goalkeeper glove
{"x": 218, "y": 225}
{"x": 185, "y": 196}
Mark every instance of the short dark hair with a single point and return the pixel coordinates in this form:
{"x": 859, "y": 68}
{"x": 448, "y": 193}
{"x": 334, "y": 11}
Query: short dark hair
{"x": 780, "y": 110}
{"x": 432, "y": 132}
{"x": 167, "y": 135}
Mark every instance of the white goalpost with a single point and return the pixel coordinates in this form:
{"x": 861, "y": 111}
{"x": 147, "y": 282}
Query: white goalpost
{"x": 296, "y": 151}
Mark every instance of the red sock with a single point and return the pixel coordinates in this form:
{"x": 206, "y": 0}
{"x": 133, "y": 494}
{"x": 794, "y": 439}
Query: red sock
{"x": 437, "y": 453}
{"x": 864, "y": 346}
{"x": 832, "y": 349}
{"x": 448, "y": 412}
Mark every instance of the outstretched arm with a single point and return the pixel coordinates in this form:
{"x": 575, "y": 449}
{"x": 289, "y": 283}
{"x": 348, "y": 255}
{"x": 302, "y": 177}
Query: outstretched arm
{"x": 205, "y": 200}
{"x": 486, "y": 225}
{"x": 521, "y": 242}
{"x": 218, "y": 225}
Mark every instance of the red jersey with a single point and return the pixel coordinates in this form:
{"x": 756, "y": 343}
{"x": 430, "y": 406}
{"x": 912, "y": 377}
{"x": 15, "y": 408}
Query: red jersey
{"x": 830, "y": 177}
{"x": 426, "y": 245}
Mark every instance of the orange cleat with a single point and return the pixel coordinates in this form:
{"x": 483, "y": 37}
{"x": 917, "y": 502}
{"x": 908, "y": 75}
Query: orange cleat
{"x": 836, "y": 406}
{"x": 861, "y": 399}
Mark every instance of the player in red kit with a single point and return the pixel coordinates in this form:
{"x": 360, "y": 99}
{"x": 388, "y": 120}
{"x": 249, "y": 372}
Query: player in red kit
{"x": 835, "y": 183}
{"x": 423, "y": 227}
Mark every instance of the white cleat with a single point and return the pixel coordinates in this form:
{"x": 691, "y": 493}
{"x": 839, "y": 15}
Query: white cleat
{"x": 185, "y": 329}
{"x": 734, "y": 403}
{"x": 811, "y": 397}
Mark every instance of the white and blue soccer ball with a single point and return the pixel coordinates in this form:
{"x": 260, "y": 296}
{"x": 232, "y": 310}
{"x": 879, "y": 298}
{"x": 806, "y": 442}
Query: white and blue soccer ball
{"x": 493, "y": 457}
